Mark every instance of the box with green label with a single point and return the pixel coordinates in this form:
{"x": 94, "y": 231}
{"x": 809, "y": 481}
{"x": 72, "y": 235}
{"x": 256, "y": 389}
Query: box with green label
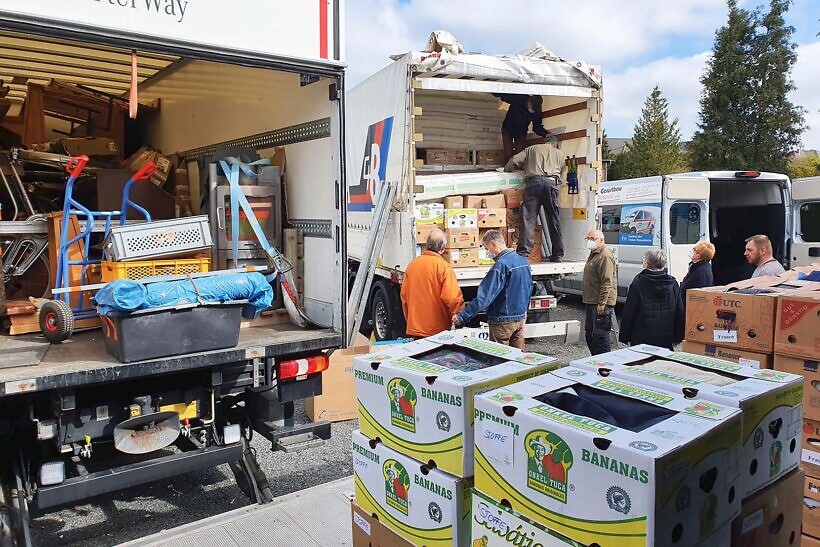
{"x": 771, "y": 401}
{"x": 608, "y": 461}
{"x": 418, "y": 397}
{"x": 422, "y": 504}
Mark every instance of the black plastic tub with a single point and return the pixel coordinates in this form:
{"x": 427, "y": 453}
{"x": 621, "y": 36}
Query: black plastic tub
{"x": 173, "y": 330}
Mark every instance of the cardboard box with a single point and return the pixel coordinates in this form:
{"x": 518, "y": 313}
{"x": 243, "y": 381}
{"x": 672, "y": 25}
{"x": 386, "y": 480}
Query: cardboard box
{"x": 492, "y": 218}
{"x": 811, "y": 488}
{"x": 369, "y": 532}
{"x": 513, "y": 197}
{"x": 458, "y": 157}
{"x": 91, "y": 146}
{"x": 771, "y": 401}
{"x": 423, "y": 231}
{"x": 810, "y": 445}
{"x": 743, "y": 357}
{"x": 492, "y": 524}
{"x": 461, "y": 218}
{"x": 462, "y": 258}
{"x": 454, "y": 202}
{"x": 338, "y": 399}
{"x": 808, "y": 370}
{"x": 811, "y": 506}
{"x": 490, "y": 157}
{"x": 421, "y": 504}
{"x": 731, "y": 319}
{"x": 485, "y": 201}
{"x": 797, "y": 329}
{"x": 421, "y": 403}
{"x": 772, "y": 517}
{"x": 429, "y": 213}
{"x": 665, "y": 481}
{"x": 808, "y": 541}
{"x": 462, "y": 238}
{"x": 440, "y": 156}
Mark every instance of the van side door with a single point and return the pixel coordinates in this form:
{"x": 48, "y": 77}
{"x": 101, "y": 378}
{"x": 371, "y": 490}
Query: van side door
{"x": 685, "y": 213}
{"x": 805, "y": 248}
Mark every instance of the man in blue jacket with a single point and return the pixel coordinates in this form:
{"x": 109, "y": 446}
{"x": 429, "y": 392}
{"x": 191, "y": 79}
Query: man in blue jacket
{"x": 504, "y": 293}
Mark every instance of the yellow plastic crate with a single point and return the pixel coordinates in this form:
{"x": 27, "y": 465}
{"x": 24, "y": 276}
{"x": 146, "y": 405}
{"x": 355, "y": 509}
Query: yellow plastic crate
{"x": 149, "y": 268}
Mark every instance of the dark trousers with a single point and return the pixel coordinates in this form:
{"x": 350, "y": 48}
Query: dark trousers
{"x": 597, "y": 329}
{"x": 540, "y": 191}
{"x": 512, "y": 145}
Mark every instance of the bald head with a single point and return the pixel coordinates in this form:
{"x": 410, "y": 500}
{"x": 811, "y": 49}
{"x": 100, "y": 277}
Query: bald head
{"x": 437, "y": 241}
{"x": 595, "y": 239}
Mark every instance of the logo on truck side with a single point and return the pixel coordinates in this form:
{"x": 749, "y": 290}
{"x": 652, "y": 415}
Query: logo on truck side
{"x": 363, "y": 196}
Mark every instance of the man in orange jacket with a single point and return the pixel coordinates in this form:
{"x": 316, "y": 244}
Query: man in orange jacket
{"x": 430, "y": 294}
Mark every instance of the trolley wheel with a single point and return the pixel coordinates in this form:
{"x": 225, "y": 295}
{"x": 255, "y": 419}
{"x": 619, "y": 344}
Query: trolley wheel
{"x": 56, "y": 321}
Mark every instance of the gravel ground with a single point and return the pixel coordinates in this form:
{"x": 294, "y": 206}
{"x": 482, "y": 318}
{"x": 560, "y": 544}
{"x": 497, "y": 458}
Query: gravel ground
{"x": 148, "y": 509}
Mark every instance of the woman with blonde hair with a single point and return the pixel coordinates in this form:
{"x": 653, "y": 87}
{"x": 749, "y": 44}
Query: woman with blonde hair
{"x": 700, "y": 268}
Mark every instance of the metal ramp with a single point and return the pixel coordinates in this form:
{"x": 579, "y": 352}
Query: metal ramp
{"x": 318, "y": 516}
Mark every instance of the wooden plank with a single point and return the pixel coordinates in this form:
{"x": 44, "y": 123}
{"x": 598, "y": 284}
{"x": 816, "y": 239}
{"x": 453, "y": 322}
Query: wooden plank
{"x": 30, "y": 323}
{"x": 19, "y": 307}
{"x": 575, "y": 107}
{"x": 580, "y": 134}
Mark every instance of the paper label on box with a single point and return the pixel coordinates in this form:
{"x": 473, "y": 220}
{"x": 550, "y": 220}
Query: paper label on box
{"x": 497, "y": 442}
{"x": 361, "y": 523}
{"x": 726, "y": 336}
{"x": 454, "y": 255}
{"x": 811, "y": 457}
{"x": 749, "y": 362}
{"x": 753, "y": 521}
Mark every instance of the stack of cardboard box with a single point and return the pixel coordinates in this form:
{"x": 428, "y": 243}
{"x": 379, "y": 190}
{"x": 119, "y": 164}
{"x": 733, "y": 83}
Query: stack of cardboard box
{"x": 413, "y": 457}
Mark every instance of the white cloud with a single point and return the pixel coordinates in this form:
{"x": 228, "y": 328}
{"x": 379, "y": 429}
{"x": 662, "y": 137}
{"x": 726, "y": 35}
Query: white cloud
{"x": 806, "y": 75}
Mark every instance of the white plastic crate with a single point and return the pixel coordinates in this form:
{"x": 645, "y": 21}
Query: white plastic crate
{"x": 159, "y": 238}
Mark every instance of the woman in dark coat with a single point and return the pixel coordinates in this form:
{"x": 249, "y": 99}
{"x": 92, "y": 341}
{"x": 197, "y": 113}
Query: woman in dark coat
{"x": 653, "y": 313}
{"x": 700, "y": 269}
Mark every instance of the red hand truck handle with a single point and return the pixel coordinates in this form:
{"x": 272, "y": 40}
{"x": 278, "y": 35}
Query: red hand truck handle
{"x": 76, "y": 165}
{"x": 146, "y": 171}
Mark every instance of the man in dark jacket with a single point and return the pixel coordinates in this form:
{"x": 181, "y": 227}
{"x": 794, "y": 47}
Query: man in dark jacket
{"x": 653, "y": 313}
{"x": 524, "y": 110}
{"x": 504, "y": 292}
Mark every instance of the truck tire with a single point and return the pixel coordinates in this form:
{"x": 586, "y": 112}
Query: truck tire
{"x": 385, "y": 311}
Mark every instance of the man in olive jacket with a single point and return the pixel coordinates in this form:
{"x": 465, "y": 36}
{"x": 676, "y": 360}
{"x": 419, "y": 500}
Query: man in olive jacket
{"x": 600, "y": 292}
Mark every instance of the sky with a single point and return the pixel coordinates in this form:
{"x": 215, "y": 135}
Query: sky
{"x": 638, "y": 44}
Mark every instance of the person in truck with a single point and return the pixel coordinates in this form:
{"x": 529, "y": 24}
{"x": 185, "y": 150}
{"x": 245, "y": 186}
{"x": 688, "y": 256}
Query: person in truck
{"x": 542, "y": 164}
{"x": 504, "y": 293}
{"x": 525, "y": 110}
{"x": 759, "y": 253}
{"x": 430, "y": 293}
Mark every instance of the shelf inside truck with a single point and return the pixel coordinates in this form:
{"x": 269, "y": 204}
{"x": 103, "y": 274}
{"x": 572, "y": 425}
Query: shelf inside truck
{"x": 82, "y": 360}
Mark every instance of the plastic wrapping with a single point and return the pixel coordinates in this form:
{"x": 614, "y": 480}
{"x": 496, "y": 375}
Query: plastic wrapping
{"x": 123, "y": 296}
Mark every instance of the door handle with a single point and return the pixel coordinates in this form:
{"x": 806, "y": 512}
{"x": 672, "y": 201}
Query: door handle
{"x": 220, "y": 218}
{"x": 814, "y": 252}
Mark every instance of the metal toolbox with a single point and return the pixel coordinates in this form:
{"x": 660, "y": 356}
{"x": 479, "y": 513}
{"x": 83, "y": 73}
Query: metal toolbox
{"x": 159, "y": 238}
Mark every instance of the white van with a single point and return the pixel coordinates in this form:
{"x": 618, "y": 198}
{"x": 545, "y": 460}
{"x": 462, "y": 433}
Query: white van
{"x": 674, "y": 212}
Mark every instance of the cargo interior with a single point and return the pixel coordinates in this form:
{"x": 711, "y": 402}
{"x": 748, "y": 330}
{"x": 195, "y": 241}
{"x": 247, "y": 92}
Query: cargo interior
{"x": 191, "y": 113}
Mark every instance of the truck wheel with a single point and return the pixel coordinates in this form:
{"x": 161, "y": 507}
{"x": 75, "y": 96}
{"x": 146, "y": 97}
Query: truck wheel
{"x": 386, "y": 314}
{"x": 56, "y": 321}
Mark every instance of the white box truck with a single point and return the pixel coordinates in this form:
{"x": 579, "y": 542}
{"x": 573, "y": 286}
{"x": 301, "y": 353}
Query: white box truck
{"x": 434, "y": 100}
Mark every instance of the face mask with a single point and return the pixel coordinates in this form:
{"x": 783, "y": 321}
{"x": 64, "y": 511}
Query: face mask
{"x": 592, "y": 245}
{"x": 530, "y": 110}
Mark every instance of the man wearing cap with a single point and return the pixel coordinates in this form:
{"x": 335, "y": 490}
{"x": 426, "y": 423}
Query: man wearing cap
{"x": 524, "y": 110}
{"x": 542, "y": 165}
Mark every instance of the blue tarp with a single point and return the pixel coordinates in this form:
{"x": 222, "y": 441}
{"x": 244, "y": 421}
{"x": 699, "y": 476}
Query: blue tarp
{"x": 123, "y": 296}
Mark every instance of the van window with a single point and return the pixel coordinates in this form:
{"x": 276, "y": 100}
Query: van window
{"x": 684, "y": 223}
{"x": 611, "y": 223}
{"x": 810, "y": 221}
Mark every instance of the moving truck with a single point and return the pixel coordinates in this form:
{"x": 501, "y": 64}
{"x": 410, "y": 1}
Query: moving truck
{"x": 211, "y": 84}
{"x": 430, "y": 122}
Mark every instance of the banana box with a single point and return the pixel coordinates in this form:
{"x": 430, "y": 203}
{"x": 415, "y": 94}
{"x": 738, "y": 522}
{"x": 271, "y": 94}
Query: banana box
{"x": 607, "y": 461}
{"x": 420, "y": 503}
{"x": 494, "y": 525}
{"x": 419, "y": 400}
{"x": 771, "y": 401}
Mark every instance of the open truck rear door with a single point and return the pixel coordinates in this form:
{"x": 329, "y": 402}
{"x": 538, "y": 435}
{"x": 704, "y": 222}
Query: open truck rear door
{"x": 805, "y": 248}
{"x": 685, "y": 213}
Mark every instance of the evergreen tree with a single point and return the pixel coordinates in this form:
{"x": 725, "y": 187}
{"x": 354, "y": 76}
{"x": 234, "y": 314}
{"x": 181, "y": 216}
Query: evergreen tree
{"x": 656, "y": 143}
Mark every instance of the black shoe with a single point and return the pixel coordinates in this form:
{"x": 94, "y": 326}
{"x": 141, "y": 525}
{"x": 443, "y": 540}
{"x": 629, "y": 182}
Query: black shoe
{"x": 556, "y": 259}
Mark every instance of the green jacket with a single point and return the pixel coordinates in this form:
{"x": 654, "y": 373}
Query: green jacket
{"x": 600, "y": 283}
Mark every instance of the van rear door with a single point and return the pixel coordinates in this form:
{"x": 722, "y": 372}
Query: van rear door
{"x": 685, "y": 214}
{"x": 805, "y": 248}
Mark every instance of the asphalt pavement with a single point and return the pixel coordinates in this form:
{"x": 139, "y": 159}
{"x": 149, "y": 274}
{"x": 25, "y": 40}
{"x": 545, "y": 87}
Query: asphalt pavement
{"x": 148, "y": 509}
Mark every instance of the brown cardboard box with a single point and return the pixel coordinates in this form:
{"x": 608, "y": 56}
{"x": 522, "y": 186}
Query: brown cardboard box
{"x": 91, "y": 146}
{"x": 462, "y": 258}
{"x": 513, "y": 197}
{"x": 490, "y": 157}
{"x": 808, "y": 541}
{"x": 458, "y": 157}
{"x": 771, "y": 517}
{"x": 454, "y": 202}
{"x": 338, "y": 399}
{"x": 811, "y": 385}
{"x": 810, "y": 444}
{"x": 462, "y": 238}
{"x": 811, "y": 488}
{"x": 811, "y": 512}
{"x": 740, "y": 356}
{"x": 423, "y": 230}
{"x": 797, "y": 328}
{"x": 485, "y": 201}
{"x": 492, "y": 218}
{"x": 434, "y": 156}
{"x": 369, "y": 532}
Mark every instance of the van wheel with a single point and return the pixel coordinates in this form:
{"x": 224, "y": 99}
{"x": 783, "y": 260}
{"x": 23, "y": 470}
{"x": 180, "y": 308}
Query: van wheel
{"x": 385, "y": 312}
